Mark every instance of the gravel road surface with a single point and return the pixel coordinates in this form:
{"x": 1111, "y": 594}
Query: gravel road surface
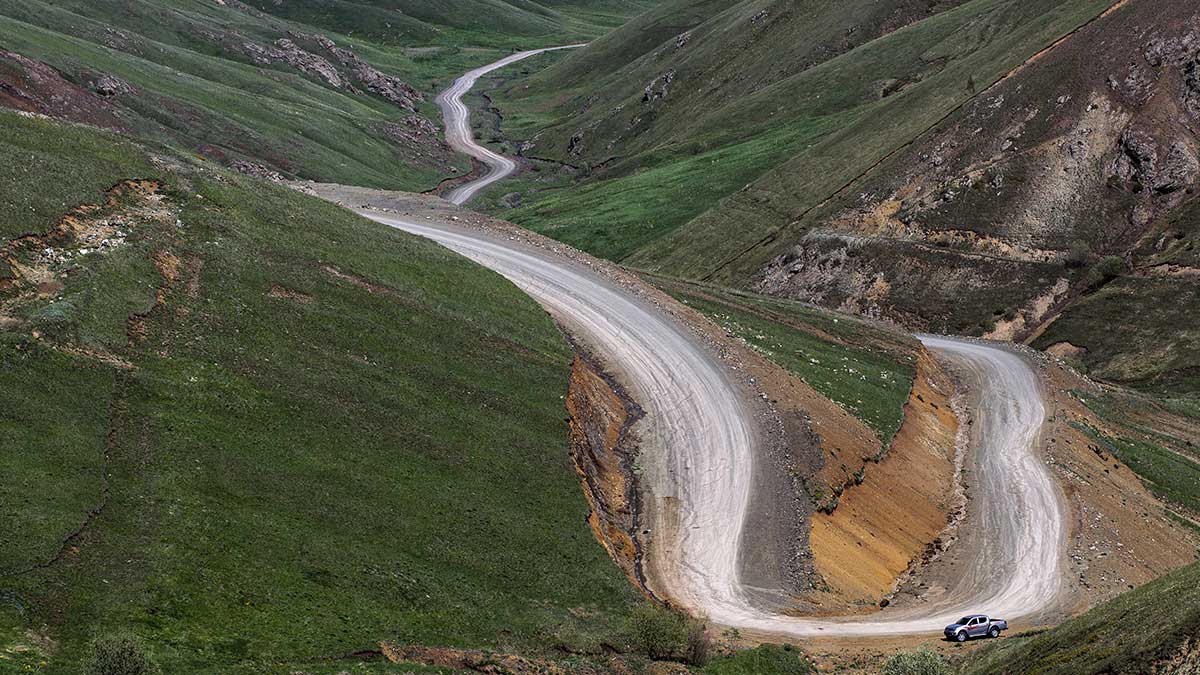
{"x": 458, "y": 127}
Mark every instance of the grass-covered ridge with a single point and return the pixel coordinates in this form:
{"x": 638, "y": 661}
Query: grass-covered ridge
{"x": 1149, "y": 630}
{"x": 297, "y": 432}
{"x": 253, "y": 82}
{"x": 864, "y": 368}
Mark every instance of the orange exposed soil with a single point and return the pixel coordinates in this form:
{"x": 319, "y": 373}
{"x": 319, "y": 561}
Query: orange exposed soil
{"x": 601, "y": 449}
{"x": 882, "y": 526}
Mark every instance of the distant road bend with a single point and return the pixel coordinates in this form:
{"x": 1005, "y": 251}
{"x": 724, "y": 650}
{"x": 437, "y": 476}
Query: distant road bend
{"x": 458, "y": 127}
{"x": 698, "y": 448}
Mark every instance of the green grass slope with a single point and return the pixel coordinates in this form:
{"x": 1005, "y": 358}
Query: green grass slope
{"x": 1149, "y": 630}
{"x": 788, "y": 103}
{"x": 212, "y": 78}
{"x": 865, "y": 368}
{"x": 498, "y": 23}
{"x": 256, "y": 430}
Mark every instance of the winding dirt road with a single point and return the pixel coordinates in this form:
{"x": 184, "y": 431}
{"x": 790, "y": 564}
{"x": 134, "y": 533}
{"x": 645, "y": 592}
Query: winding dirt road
{"x": 699, "y": 440}
{"x": 458, "y": 127}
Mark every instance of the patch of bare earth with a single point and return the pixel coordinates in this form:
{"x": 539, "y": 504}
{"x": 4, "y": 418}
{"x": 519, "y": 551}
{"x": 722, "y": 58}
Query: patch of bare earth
{"x": 603, "y": 448}
{"x": 35, "y": 267}
{"x": 284, "y": 293}
{"x": 891, "y": 517}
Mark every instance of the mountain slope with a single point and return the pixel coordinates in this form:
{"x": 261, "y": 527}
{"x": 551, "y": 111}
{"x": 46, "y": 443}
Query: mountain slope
{"x": 1149, "y": 630}
{"x": 487, "y": 22}
{"x": 330, "y": 91}
{"x": 886, "y": 174}
{"x": 664, "y": 151}
{"x": 256, "y": 430}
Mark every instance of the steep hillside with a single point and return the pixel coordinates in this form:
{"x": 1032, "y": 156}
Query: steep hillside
{"x": 335, "y": 91}
{"x": 257, "y": 431}
{"x": 1063, "y": 192}
{"x": 1150, "y": 630}
{"x": 979, "y": 168}
{"x": 716, "y": 106}
{"x": 501, "y": 23}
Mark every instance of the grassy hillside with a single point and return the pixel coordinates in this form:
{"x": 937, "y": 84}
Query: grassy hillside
{"x": 1149, "y": 630}
{"x": 865, "y": 368}
{"x": 845, "y": 88}
{"x": 262, "y": 83}
{"x": 499, "y": 23}
{"x": 914, "y": 161}
{"x": 256, "y": 430}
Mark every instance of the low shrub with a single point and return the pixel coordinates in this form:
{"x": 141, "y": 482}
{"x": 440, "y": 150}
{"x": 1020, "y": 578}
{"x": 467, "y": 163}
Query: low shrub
{"x": 921, "y": 662}
{"x": 698, "y": 643}
{"x": 119, "y": 655}
{"x": 658, "y": 632}
{"x": 762, "y": 660}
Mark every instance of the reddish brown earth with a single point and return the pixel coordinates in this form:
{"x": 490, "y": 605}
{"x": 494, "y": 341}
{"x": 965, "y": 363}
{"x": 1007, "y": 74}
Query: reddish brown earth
{"x": 33, "y": 87}
{"x": 883, "y": 526}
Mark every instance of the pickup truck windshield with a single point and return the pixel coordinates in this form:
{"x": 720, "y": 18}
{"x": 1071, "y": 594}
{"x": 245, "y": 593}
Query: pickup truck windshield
{"x": 965, "y": 620}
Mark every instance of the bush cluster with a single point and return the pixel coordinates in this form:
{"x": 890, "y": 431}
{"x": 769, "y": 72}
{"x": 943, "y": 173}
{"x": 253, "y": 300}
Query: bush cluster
{"x": 119, "y": 655}
{"x": 921, "y": 662}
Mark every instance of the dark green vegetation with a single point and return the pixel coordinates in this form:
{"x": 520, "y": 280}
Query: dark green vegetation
{"x": 494, "y": 23}
{"x": 963, "y": 167}
{"x": 762, "y": 660}
{"x": 272, "y": 433}
{"x": 1151, "y": 629}
{"x": 120, "y": 655}
{"x": 865, "y": 368}
{"x": 236, "y": 84}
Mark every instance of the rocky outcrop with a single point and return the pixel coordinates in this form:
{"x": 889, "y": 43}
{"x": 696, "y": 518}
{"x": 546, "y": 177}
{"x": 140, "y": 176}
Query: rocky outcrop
{"x": 288, "y": 52}
{"x": 659, "y": 87}
{"x": 386, "y": 86}
{"x": 348, "y": 70}
{"x": 990, "y": 222}
{"x": 602, "y": 449}
{"x": 110, "y": 86}
{"x": 390, "y": 88}
{"x": 257, "y": 171}
{"x": 34, "y": 87}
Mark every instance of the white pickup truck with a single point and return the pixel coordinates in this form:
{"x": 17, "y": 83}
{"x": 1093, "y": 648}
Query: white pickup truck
{"x": 975, "y": 625}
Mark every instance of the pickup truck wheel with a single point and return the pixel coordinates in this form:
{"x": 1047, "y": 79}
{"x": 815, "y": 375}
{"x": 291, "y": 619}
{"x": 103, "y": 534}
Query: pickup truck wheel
{"x": 961, "y": 636}
{"x": 994, "y": 632}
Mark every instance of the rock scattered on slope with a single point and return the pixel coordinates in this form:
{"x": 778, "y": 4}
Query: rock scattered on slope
{"x": 109, "y": 86}
{"x": 257, "y": 171}
{"x": 659, "y": 87}
{"x": 288, "y": 52}
{"x": 390, "y": 88}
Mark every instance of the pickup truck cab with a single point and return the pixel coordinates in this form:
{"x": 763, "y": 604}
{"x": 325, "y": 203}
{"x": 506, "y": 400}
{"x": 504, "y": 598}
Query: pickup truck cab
{"x": 975, "y": 625}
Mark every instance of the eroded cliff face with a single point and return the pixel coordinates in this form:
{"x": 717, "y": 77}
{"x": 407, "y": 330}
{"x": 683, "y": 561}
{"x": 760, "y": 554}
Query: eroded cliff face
{"x": 1068, "y": 174}
{"x": 602, "y": 449}
{"x": 892, "y": 516}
